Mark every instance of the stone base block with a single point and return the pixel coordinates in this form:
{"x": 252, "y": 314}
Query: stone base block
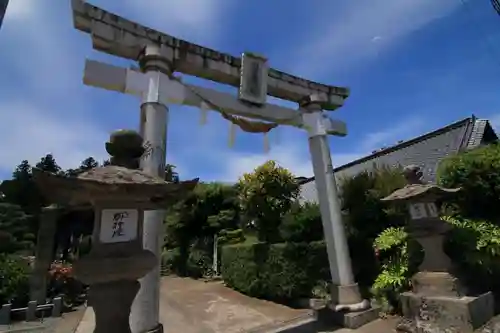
{"x": 346, "y": 319}
{"x": 157, "y": 329}
{"x": 445, "y": 314}
{"x": 346, "y": 294}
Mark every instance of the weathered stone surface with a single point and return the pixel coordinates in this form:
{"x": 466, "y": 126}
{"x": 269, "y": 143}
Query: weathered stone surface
{"x": 112, "y": 302}
{"x": 445, "y": 314}
{"x": 493, "y": 326}
{"x": 93, "y": 269}
{"x": 416, "y": 189}
{"x": 121, "y": 181}
{"x": 118, "y": 36}
{"x": 437, "y": 284}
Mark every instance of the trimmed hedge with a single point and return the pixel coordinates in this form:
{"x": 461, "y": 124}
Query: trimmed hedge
{"x": 231, "y": 236}
{"x": 275, "y": 271}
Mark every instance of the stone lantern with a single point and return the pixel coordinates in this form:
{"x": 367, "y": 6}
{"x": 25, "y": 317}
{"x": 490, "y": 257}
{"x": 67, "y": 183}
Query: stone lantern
{"x": 119, "y": 194}
{"x": 437, "y": 302}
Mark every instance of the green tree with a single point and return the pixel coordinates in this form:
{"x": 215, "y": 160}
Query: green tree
{"x": 266, "y": 195}
{"x": 302, "y": 223}
{"x": 88, "y": 163}
{"x": 192, "y": 223}
{"x": 15, "y": 229}
{"x": 21, "y": 189}
{"x": 366, "y": 216}
{"x": 14, "y": 285}
{"x": 48, "y": 164}
{"x": 477, "y": 172}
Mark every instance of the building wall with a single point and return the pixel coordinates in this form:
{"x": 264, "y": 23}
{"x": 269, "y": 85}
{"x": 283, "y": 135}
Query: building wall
{"x": 426, "y": 153}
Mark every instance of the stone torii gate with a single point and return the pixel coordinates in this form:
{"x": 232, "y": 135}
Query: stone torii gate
{"x": 159, "y": 55}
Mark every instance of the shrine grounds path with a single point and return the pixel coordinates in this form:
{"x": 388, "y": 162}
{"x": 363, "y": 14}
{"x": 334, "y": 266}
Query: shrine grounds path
{"x": 194, "y": 306}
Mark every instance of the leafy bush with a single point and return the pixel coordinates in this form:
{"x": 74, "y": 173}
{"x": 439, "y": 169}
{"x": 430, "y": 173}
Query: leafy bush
{"x": 398, "y": 257}
{"x": 302, "y": 224}
{"x": 14, "y": 280}
{"x": 171, "y": 261}
{"x": 265, "y": 196}
{"x": 366, "y": 216}
{"x": 477, "y": 173}
{"x": 199, "y": 263}
{"x": 63, "y": 283}
{"x": 15, "y": 233}
{"x": 275, "y": 271}
{"x": 231, "y": 236}
{"x": 475, "y": 247}
{"x": 192, "y": 223}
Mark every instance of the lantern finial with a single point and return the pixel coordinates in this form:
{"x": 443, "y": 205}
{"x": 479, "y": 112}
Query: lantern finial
{"x": 125, "y": 148}
{"x": 413, "y": 174}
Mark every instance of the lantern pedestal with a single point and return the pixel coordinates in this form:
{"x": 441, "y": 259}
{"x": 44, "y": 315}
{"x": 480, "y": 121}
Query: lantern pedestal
{"x": 438, "y": 302}
{"x": 111, "y": 303}
{"x": 113, "y": 280}
{"x": 444, "y": 313}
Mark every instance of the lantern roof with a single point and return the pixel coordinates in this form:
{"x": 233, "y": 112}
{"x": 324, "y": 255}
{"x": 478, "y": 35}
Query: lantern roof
{"x": 416, "y": 189}
{"x": 121, "y": 180}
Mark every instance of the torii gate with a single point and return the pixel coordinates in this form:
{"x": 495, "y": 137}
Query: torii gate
{"x": 159, "y": 55}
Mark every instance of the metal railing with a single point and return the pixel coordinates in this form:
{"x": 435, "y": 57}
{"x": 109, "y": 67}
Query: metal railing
{"x": 31, "y": 311}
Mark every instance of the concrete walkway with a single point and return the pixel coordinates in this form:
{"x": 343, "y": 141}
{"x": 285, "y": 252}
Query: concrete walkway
{"x": 191, "y": 306}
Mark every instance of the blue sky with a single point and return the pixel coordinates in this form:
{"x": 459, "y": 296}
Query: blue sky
{"x": 412, "y": 66}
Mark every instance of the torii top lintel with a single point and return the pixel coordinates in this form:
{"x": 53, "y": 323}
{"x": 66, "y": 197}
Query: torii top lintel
{"x": 115, "y": 35}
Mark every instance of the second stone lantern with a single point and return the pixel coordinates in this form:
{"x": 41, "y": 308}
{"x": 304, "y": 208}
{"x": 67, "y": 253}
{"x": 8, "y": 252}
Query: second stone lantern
{"x": 119, "y": 194}
{"x": 438, "y": 301}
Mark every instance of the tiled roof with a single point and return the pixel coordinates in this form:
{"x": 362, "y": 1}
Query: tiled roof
{"x": 425, "y": 151}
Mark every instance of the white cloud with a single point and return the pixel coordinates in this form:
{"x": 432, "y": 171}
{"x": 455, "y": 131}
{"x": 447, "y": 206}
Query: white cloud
{"x": 294, "y": 154}
{"x": 354, "y": 31}
{"x": 48, "y": 111}
{"x": 30, "y": 133}
{"x": 495, "y": 122}
{"x": 20, "y": 9}
{"x": 188, "y": 18}
{"x": 388, "y": 136}
{"x": 43, "y": 109}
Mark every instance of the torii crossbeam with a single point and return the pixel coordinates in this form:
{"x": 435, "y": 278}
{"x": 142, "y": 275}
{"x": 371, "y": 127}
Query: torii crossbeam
{"x": 160, "y": 55}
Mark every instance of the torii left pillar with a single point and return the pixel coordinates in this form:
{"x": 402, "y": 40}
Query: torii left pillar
{"x": 144, "y": 316}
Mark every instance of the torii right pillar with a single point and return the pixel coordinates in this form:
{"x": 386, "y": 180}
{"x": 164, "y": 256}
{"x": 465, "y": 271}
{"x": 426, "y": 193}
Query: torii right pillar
{"x": 347, "y": 306}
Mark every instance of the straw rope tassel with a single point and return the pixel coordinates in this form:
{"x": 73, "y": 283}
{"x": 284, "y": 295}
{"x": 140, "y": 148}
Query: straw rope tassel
{"x": 204, "y": 107}
{"x": 267, "y": 147}
{"x": 232, "y": 134}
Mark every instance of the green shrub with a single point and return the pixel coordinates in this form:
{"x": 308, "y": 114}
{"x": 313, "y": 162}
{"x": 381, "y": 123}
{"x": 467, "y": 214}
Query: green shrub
{"x": 477, "y": 172}
{"x": 171, "y": 261}
{"x": 275, "y": 271}
{"x": 14, "y": 280}
{"x": 265, "y": 196}
{"x": 199, "y": 263}
{"x": 399, "y": 257}
{"x": 366, "y": 216}
{"x": 302, "y": 224}
{"x": 475, "y": 246}
{"x": 231, "y": 236}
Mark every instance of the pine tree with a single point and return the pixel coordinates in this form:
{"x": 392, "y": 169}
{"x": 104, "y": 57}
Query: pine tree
{"x": 88, "y": 163}
{"x": 48, "y": 164}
